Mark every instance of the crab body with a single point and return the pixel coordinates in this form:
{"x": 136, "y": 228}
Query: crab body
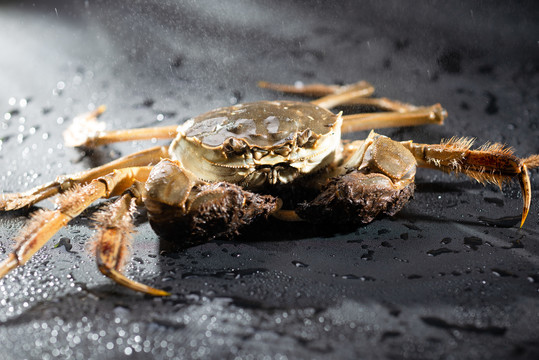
{"x": 258, "y": 144}
{"x": 225, "y": 163}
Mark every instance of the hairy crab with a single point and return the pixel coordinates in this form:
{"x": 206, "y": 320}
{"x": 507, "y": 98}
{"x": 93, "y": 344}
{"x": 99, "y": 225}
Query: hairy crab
{"x": 232, "y": 166}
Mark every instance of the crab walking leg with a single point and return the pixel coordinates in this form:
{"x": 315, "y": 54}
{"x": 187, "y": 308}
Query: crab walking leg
{"x": 434, "y": 114}
{"x": 361, "y": 88}
{"x": 345, "y": 95}
{"x": 490, "y": 163}
{"x": 356, "y": 95}
{"x": 109, "y": 137}
{"x": 89, "y": 139}
{"x": 45, "y": 223}
{"x": 25, "y": 199}
{"x": 113, "y": 239}
{"x": 334, "y": 95}
{"x": 384, "y": 104}
{"x": 86, "y": 131}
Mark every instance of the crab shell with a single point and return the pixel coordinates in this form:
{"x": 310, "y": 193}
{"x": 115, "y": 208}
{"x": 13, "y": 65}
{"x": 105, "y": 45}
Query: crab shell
{"x": 259, "y": 143}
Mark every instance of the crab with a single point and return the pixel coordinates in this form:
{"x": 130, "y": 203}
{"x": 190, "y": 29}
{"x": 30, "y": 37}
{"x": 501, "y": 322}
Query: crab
{"x": 234, "y": 166}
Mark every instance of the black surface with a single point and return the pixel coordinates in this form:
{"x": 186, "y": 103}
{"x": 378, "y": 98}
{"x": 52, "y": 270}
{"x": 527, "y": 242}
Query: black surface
{"x": 451, "y": 276}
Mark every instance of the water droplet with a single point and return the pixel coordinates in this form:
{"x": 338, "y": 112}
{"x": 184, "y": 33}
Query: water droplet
{"x": 515, "y": 244}
{"x": 390, "y": 334}
{"x": 77, "y": 80}
{"x": 299, "y": 264}
{"x": 227, "y": 274}
{"x": 503, "y": 222}
{"x": 441, "y": 323}
{"x": 498, "y": 201}
{"x": 412, "y": 227}
{"x": 446, "y": 240}
{"x": 502, "y": 273}
{"x": 473, "y": 242}
{"x": 440, "y": 251}
{"x": 368, "y": 255}
{"x": 65, "y": 242}
{"x": 367, "y": 278}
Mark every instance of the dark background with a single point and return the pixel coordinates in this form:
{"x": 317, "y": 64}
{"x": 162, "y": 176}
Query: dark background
{"x": 451, "y": 276}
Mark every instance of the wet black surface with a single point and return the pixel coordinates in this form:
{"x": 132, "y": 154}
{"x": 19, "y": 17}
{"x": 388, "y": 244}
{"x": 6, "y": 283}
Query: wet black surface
{"x": 451, "y": 276}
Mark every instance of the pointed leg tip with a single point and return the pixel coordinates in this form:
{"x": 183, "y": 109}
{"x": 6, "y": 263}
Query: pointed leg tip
{"x": 524, "y": 216}
{"x": 158, "y": 292}
{"x": 525, "y": 187}
{"x": 100, "y": 110}
{"x": 439, "y": 114}
{"x": 121, "y": 279}
{"x": 3, "y": 203}
{"x": 6, "y": 202}
{"x": 268, "y": 85}
{"x": 9, "y": 202}
{"x": 83, "y": 129}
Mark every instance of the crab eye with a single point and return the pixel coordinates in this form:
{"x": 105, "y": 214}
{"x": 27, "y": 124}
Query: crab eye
{"x": 304, "y": 137}
{"x": 259, "y": 153}
{"x": 283, "y": 151}
{"x": 235, "y": 146}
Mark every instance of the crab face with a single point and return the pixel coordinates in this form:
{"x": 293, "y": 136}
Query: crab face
{"x": 257, "y": 144}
